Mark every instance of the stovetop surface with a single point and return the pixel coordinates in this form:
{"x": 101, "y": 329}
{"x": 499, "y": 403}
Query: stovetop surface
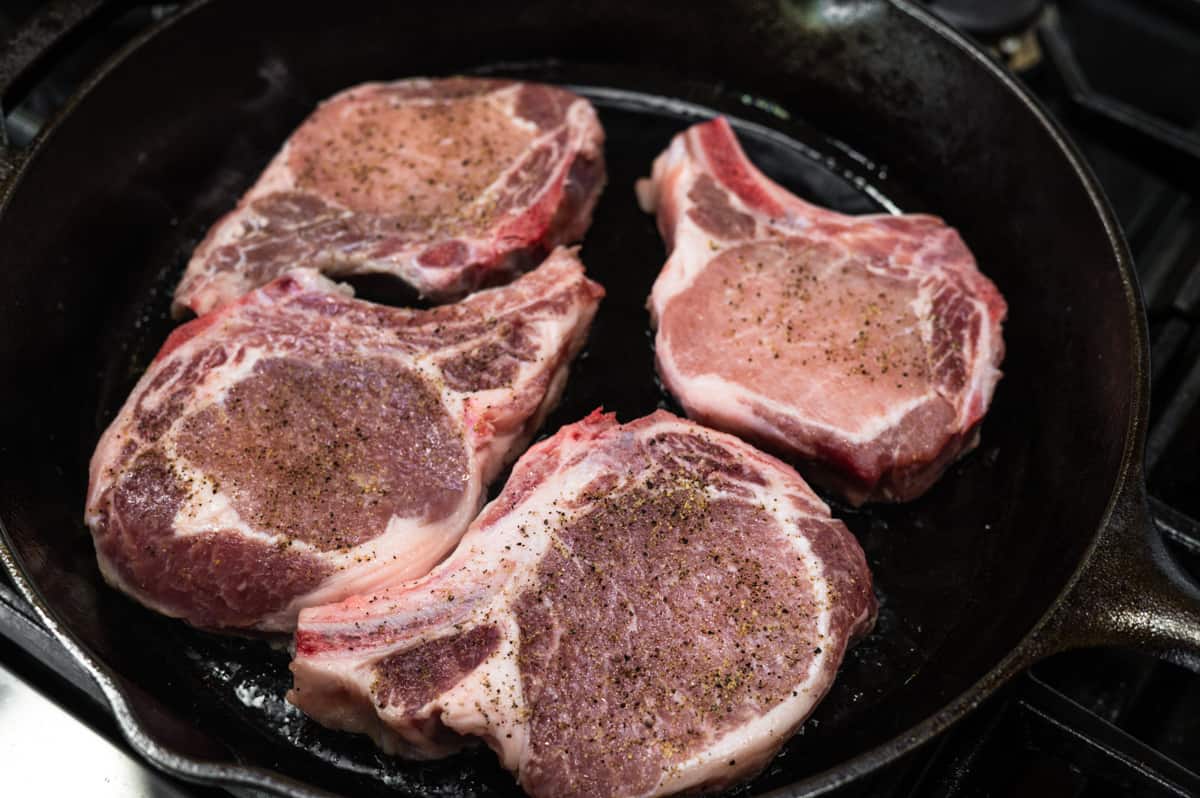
{"x": 1090, "y": 723}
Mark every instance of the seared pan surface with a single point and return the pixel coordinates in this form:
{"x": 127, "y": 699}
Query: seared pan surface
{"x": 98, "y": 233}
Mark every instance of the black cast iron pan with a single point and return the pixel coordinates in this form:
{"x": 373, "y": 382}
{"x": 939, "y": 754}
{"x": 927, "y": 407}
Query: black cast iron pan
{"x": 1036, "y": 543}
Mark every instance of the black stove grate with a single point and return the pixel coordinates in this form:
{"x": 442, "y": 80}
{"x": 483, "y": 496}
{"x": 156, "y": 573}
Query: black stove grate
{"x": 1123, "y": 76}
{"x": 1093, "y": 723}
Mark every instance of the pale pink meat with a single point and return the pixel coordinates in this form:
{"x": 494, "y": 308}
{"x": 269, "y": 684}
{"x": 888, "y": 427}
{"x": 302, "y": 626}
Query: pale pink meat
{"x": 646, "y": 608}
{"x": 863, "y": 348}
{"x": 300, "y": 446}
{"x": 447, "y": 184}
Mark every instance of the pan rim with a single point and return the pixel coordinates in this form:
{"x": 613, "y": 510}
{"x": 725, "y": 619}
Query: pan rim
{"x": 1128, "y": 474}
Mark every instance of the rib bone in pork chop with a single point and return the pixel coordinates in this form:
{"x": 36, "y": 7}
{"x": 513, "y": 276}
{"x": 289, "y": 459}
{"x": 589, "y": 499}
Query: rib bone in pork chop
{"x": 447, "y": 184}
{"x": 864, "y": 348}
{"x": 646, "y": 608}
{"x": 301, "y": 446}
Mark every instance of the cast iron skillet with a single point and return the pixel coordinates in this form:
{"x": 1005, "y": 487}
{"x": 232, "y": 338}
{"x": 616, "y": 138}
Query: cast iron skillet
{"x": 1036, "y": 543}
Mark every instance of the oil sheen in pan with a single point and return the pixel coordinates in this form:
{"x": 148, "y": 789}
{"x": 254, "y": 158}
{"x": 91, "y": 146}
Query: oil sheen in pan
{"x": 623, "y": 251}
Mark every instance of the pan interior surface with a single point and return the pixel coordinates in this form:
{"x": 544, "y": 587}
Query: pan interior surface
{"x": 97, "y": 234}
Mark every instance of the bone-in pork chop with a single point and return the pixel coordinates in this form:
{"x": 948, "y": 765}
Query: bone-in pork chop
{"x": 864, "y": 348}
{"x": 300, "y": 446}
{"x": 646, "y": 608}
{"x": 446, "y": 184}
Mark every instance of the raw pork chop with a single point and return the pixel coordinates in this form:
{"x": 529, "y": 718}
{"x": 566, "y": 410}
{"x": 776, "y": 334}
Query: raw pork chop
{"x": 864, "y": 348}
{"x": 447, "y": 184}
{"x": 301, "y": 446}
{"x": 646, "y": 608}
